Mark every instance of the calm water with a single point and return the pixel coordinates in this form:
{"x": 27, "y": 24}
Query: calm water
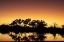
{"x": 31, "y": 36}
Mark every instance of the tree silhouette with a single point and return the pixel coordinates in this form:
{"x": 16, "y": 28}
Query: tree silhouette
{"x": 41, "y": 24}
{"x": 62, "y": 26}
{"x": 55, "y": 25}
{"x": 16, "y": 22}
{"x": 25, "y": 22}
{"x": 32, "y": 23}
{"x": 20, "y": 21}
{"x": 51, "y": 26}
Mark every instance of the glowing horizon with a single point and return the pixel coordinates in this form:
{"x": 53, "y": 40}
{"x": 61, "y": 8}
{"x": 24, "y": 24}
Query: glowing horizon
{"x": 47, "y": 10}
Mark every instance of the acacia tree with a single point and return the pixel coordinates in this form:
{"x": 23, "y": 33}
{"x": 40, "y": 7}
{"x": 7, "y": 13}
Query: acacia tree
{"x": 16, "y": 22}
{"x": 37, "y": 23}
{"x": 32, "y": 23}
{"x": 25, "y": 22}
{"x": 41, "y": 24}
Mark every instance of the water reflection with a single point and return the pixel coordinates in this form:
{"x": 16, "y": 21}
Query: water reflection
{"x": 50, "y": 37}
{"x": 5, "y": 37}
{"x": 31, "y": 36}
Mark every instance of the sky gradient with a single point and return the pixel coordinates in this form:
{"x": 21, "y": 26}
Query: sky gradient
{"x": 47, "y": 10}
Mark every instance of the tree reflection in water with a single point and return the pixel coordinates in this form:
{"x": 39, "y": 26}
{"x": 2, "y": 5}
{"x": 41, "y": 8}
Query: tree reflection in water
{"x": 33, "y": 37}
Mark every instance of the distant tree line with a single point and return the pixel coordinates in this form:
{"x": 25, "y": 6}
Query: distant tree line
{"x": 30, "y": 25}
{"x": 27, "y": 23}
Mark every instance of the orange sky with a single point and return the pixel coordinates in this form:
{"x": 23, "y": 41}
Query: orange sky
{"x": 47, "y": 10}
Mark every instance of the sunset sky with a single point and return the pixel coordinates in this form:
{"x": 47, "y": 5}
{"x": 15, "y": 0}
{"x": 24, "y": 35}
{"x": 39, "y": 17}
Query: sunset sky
{"x": 47, "y": 10}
